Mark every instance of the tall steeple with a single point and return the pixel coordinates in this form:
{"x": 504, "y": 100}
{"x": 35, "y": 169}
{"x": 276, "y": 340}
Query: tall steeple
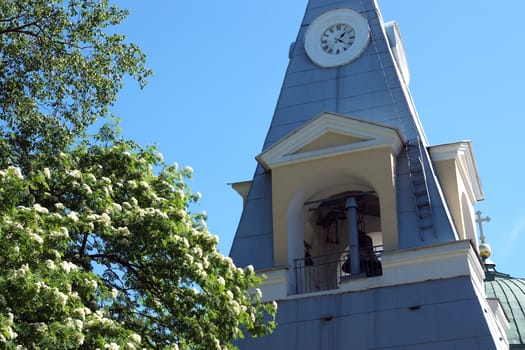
{"x": 349, "y": 201}
{"x": 370, "y": 84}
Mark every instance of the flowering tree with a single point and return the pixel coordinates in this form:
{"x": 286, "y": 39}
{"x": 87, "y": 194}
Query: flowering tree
{"x": 100, "y": 251}
{"x": 98, "y": 248}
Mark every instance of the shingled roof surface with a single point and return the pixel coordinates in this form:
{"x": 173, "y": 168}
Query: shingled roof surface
{"x": 511, "y": 293}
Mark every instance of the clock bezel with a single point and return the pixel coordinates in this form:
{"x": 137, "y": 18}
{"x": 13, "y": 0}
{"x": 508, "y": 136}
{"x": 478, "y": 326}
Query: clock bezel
{"x": 316, "y": 29}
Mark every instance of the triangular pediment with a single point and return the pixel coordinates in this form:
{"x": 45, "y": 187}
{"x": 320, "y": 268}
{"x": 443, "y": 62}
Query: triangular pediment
{"x": 330, "y": 139}
{"x": 329, "y": 134}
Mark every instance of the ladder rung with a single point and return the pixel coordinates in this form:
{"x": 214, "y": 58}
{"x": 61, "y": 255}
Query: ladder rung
{"x": 416, "y": 169}
{"x": 426, "y": 215}
{"x": 422, "y": 205}
{"x": 422, "y": 192}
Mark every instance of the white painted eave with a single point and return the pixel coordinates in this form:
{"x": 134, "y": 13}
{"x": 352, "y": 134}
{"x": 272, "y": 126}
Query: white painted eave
{"x": 373, "y": 136}
{"x": 462, "y": 153}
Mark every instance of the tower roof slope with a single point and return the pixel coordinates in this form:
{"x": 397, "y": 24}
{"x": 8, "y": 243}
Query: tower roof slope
{"x": 370, "y": 88}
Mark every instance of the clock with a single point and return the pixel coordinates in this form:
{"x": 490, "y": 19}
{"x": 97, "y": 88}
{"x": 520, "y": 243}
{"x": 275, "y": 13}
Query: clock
{"x": 336, "y": 38}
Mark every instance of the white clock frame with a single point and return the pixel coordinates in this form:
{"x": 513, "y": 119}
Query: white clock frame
{"x": 316, "y": 29}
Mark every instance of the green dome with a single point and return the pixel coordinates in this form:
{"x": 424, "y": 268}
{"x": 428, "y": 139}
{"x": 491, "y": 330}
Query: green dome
{"x": 511, "y": 293}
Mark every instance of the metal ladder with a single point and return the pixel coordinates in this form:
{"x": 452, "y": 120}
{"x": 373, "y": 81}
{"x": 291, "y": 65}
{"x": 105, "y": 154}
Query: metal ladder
{"x": 416, "y": 168}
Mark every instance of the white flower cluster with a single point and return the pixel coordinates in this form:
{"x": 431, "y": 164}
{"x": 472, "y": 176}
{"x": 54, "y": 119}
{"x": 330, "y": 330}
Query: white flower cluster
{"x": 123, "y": 231}
{"x": 14, "y": 171}
{"x": 47, "y": 173}
{"x": 40, "y": 209}
{"x": 132, "y": 184}
{"x": 75, "y": 174}
{"x": 104, "y": 219}
{"x": 168, "y": 185}
{"x": 68, "y": 266}
{"x": 108, "y": 190}
{"x": 50, "y": 264}
{"x": 98, "y": 318}
{"x": 60, "y": 297}
{"x": 82, "y": 312}
{"x": 92, "y": 178}
{"x": 55, "y": 253}
{"x": 60, "y": 206}
{"x": 87, "y": 189}
{"x": 73, "y": 216}
{"x": 35, "y": 237}
{"x": 7, "y": 332}
{"x": 182, "y": 240}
{"x": 53, "y": 293}
{"x": 21, "y": 272}
{"x": 91, "y": 283}
{"x": 115, "y": 207}
{"x": 221, "y": 281}
{"x": 152, "y": 212}
{"x": 236, "y": 307}
{"x": 61, "y": 233}
{"x": 105, "y": 180}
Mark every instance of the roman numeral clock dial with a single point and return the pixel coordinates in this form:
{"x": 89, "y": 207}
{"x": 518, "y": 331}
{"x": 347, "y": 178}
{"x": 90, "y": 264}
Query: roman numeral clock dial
{"x": 336, "y": 38}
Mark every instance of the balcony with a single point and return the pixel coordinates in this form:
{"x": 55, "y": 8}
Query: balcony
{"x": 325, "y": 272}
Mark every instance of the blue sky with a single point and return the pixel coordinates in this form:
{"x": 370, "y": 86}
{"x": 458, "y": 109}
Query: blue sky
{"x": 219, "y": 66}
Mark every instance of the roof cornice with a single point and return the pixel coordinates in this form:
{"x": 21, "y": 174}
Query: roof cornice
{"x": 463, "y": 154}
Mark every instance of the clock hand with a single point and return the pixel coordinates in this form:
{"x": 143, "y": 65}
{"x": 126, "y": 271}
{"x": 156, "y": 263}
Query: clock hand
{"x": 340, "y": 37}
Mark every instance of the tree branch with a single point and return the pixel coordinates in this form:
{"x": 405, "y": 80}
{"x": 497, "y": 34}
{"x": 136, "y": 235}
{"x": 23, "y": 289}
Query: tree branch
{"x": 82, "y": 249}
{"x": 20, "y": 28}
{"x": 133, "y": 269}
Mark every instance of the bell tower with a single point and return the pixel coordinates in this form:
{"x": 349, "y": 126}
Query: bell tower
{"x": 365, "y": 232}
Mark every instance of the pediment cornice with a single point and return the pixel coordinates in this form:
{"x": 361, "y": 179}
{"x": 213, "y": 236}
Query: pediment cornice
{"x": 330, "y": 134}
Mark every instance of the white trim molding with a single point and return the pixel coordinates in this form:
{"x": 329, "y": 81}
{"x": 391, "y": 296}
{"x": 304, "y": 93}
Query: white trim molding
{"x": 463, "y": 154}
{"x": 361, "y": 134}
{"x": 395, "y": 42}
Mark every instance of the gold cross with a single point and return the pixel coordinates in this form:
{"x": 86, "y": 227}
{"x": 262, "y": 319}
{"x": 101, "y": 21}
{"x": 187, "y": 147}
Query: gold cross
{"x": 480, "y": 221}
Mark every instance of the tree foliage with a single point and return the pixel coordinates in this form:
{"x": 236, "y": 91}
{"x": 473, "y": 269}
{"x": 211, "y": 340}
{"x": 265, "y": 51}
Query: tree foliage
{"x": 100, "y": 250}
{"x": 61, "y": 68}
{"x": 98, "y": 246}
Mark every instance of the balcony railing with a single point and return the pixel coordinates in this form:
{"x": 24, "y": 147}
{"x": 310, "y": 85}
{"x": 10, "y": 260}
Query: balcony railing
{"x": 325, "y": 272}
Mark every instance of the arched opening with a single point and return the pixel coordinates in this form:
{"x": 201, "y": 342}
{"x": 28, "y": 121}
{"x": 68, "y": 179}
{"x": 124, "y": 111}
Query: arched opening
{"x": 329, "y": 242}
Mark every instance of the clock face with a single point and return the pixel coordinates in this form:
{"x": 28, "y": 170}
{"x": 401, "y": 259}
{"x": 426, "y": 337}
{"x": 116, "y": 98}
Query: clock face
{"x": 336, "y": 38}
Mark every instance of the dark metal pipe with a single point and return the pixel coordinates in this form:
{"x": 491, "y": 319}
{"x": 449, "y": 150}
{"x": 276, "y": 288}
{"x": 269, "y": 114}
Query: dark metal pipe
{"x": 351, "y": 214}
